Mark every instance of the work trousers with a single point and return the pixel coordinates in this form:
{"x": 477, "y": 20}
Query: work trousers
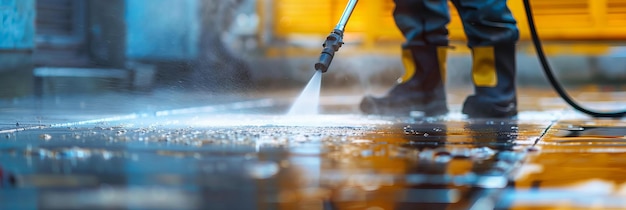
{"x": 486, "y": 22}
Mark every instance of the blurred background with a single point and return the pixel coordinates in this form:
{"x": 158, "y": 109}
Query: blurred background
{"x": 90, "y": 47}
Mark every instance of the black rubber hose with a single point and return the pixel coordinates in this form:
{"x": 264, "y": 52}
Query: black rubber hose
{"x": 548, "y": 71}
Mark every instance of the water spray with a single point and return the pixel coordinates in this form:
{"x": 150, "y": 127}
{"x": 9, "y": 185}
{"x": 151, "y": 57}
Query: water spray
{"x": 335, "y": 39}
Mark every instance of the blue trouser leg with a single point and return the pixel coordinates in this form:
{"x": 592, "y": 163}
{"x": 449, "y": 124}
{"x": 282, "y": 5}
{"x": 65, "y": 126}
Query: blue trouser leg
{"x": 487, "y": 22}
{"x": 422, "y": 22}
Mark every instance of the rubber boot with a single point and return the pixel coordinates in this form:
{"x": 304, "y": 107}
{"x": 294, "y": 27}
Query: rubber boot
{"x": 420, "y": 89}
{"x": 493, "y": 73}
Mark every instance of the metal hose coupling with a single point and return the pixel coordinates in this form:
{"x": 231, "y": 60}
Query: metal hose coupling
{"x": 331, "y": 45}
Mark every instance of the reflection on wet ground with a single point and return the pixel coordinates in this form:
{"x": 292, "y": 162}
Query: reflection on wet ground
{"x": 204, "y": 158}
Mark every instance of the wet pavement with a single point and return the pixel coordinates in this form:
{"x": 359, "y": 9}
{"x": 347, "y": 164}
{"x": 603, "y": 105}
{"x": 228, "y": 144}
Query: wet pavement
{"x": 212, "y": 152}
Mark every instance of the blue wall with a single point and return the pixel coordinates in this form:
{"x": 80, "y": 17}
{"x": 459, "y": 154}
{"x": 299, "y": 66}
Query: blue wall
{"x": 156, "y": 29}
{"x": 162, "y": 29}
{"x": 17, "y": 29}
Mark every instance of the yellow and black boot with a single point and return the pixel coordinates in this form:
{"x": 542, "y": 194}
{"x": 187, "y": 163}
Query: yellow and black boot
{"x": 421, "y": 88}
{"x": 493, "y": 74}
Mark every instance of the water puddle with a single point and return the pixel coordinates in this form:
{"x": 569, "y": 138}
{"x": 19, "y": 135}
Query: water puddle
{"x": 272, "y": 162}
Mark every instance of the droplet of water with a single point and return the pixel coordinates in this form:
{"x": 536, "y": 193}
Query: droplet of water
{"x": 461, "y": 153}
{"x": 74, "y": 152}
{"x": 367, "y": 153}
{"x": 443, "y": 158}
{"x": 408, "y": 130}
{"x": 45, "y": 136}
{"x": 120, "y": 132}
{"x": 43, "y": 153}
{"x": 367, "y": 182}
{"x": 482, "y": 153}
{"x": 262, "y": 169}
{"x": 426, "y": 154}
{"x": 575, "y": 128}
{"x": 362, "y": 141}
{"x": 107, "y": 155}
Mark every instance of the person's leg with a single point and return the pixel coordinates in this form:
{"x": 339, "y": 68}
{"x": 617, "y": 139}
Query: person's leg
{"x": 492, "y": 33}
{"x": 421, "y": 88}
{"x": 422, "y": 22}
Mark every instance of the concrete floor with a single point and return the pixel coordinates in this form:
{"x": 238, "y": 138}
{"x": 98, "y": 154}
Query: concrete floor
{"x": 173, "y": 150}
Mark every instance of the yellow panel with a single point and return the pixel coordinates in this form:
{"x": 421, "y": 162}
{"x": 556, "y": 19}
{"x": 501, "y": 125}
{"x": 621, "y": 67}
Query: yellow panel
{"x": 297, "y": 16}
{"x": 570, "y": 13}
{"x": 372, "y": 20}
{"x": 616, "y": 13}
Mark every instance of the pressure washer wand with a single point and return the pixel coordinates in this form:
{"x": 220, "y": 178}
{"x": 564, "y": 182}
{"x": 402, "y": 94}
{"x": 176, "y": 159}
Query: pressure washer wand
{"x": 335, "y": 39}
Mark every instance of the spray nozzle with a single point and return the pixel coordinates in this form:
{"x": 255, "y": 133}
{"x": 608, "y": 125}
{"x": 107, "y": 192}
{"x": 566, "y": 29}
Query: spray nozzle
{"x": 331, "y": 45}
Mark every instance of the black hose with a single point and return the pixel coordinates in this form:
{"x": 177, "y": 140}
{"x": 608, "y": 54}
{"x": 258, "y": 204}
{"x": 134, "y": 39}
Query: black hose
{"x": 548, "y": 71}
